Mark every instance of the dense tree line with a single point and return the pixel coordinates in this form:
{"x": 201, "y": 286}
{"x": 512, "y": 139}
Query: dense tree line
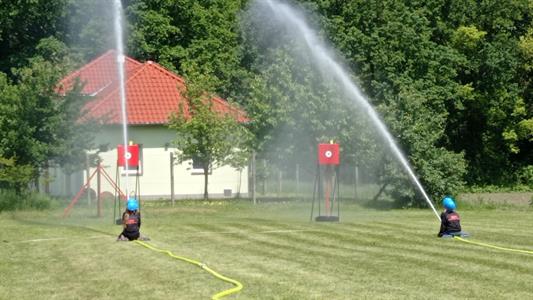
{"x": 465, "y": 61}
{"x": 451, "y": 79}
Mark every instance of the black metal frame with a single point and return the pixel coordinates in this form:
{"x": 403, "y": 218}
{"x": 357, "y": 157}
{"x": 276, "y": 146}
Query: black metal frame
{"x": 317, "y": 196}
{"x": 116, "y": 219}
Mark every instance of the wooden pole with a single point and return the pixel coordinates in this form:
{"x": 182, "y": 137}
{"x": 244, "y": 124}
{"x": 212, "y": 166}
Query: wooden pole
{"x": 265, "y": 177}
{"x": 87, "y": 173}
{"x": 254, "y": 179}
{"x": 356, "y": 182}
{"x": 98, "y": 190}
{"x": 68, "y": 188}
{"x": 280, "y": 179}
{"x": 172, "y": 177}
{"x": 47, "y": 178}
{"x": 297, "y": 180}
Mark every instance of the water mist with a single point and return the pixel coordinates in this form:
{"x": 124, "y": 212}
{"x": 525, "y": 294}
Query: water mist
{"x": 295, "y": 22}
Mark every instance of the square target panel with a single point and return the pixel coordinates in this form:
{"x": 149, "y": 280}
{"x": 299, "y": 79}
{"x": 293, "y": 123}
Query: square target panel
{"x": 328, "y": 154}
{"x": 131, "y": 156}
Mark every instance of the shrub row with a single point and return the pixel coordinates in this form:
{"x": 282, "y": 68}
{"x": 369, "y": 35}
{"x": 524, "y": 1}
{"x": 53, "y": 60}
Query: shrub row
{"x": 12, "y": 200}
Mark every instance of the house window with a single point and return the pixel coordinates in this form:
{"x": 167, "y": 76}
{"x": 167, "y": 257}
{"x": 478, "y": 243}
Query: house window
{"x": 198, "y": 165}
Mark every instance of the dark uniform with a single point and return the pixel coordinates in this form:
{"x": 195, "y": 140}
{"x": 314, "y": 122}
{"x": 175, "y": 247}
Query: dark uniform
{"x": 132, "y": 225}
{"x": 450, "y": 223}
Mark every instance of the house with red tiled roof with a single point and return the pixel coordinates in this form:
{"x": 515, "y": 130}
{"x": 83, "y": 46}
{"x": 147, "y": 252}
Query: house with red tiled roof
{"x": 152, "y": 93}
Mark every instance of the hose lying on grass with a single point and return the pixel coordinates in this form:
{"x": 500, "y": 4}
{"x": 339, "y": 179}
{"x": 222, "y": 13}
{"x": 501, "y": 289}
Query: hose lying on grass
{"x": 492, "y": 246}
{"x": 238, "y": 285}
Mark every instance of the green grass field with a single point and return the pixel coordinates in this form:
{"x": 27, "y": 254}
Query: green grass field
{"x": 271, "y": 248}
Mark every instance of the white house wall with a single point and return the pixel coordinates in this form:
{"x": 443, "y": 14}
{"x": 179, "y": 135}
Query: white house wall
{"x": 155, "y": 181}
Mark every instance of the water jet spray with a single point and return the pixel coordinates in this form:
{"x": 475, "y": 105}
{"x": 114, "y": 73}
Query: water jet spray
{"x": 293, "y": 20}
{"x": 117, "y": 5}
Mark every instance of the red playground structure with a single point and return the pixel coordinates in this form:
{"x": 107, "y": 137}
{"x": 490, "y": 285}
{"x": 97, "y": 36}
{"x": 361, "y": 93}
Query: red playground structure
{"x": 129, "y": 161}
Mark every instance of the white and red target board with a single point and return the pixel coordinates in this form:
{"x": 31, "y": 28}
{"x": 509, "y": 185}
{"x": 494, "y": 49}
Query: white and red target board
{"x": 328, "y": 154}
{"x": 131, "y": 156}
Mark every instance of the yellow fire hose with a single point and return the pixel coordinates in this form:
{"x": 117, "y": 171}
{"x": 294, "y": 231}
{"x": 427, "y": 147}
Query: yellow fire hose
{"x": 492, "y": 246}
{"x": 238, "y": 285}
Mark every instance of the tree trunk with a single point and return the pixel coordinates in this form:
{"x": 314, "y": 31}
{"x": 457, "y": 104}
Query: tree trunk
{"x": 46, "y": 178}
{"x": 68, "y": 184}
{"x": 380, "y": 191}
{"x": 254, "y": 179}
{"x": 37, "y": 184}
{"x": 206, "y": 180}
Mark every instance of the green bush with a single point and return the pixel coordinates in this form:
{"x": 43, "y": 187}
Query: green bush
{"x": 12, "y": 200}
{"x": 39, "y": 201}
{"x": 8, "y": 200}
{"x": 439, "y": 171}
{"x": 497, "y": 188}
{"x": 525, "y": 176}
{"x": 13, "y": 175}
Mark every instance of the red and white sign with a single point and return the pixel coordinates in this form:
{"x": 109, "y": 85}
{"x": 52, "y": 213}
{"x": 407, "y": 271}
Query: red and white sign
{"x": 131, "y": 157}
{"x": 328, "y": 154}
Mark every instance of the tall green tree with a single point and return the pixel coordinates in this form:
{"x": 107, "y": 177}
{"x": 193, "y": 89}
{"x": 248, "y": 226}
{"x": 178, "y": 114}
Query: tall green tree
{"x": 485, "y": 125}
{"x": 23, "y": 24}
{"x": 210, "y": 137}
{"x": 89, "y": 28}
{"x": 38, "y": 125}
{"x": 158, "y": 31}
{"x": 75, "y": 136}
{"x": 29, "y": 125}
{"x": 13, "y": 173}
{"x": 524, "y": 128}
{"x": 188, "y": 36}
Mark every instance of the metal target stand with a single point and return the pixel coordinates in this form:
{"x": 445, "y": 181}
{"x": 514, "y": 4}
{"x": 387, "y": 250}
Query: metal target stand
{"x": 131, "y": 158}
{"x": 327, "y": 185}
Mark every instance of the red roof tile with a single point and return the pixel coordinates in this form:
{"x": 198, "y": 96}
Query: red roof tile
{"x": 152, "y": 92}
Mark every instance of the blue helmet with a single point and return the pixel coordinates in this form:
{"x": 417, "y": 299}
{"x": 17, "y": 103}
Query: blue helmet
{"x": 132, "y": 204}
{"x": 448, "y": 203}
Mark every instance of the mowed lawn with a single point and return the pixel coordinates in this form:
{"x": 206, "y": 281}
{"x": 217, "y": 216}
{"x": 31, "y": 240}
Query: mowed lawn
{"x": 271, "y": 248}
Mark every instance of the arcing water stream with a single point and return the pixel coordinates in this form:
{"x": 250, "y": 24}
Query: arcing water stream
{"x": 295, "y": 21}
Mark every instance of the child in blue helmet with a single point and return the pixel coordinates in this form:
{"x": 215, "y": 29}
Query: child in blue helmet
{"x": 131, "y": 221}
{"x": 450, "y": 222}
